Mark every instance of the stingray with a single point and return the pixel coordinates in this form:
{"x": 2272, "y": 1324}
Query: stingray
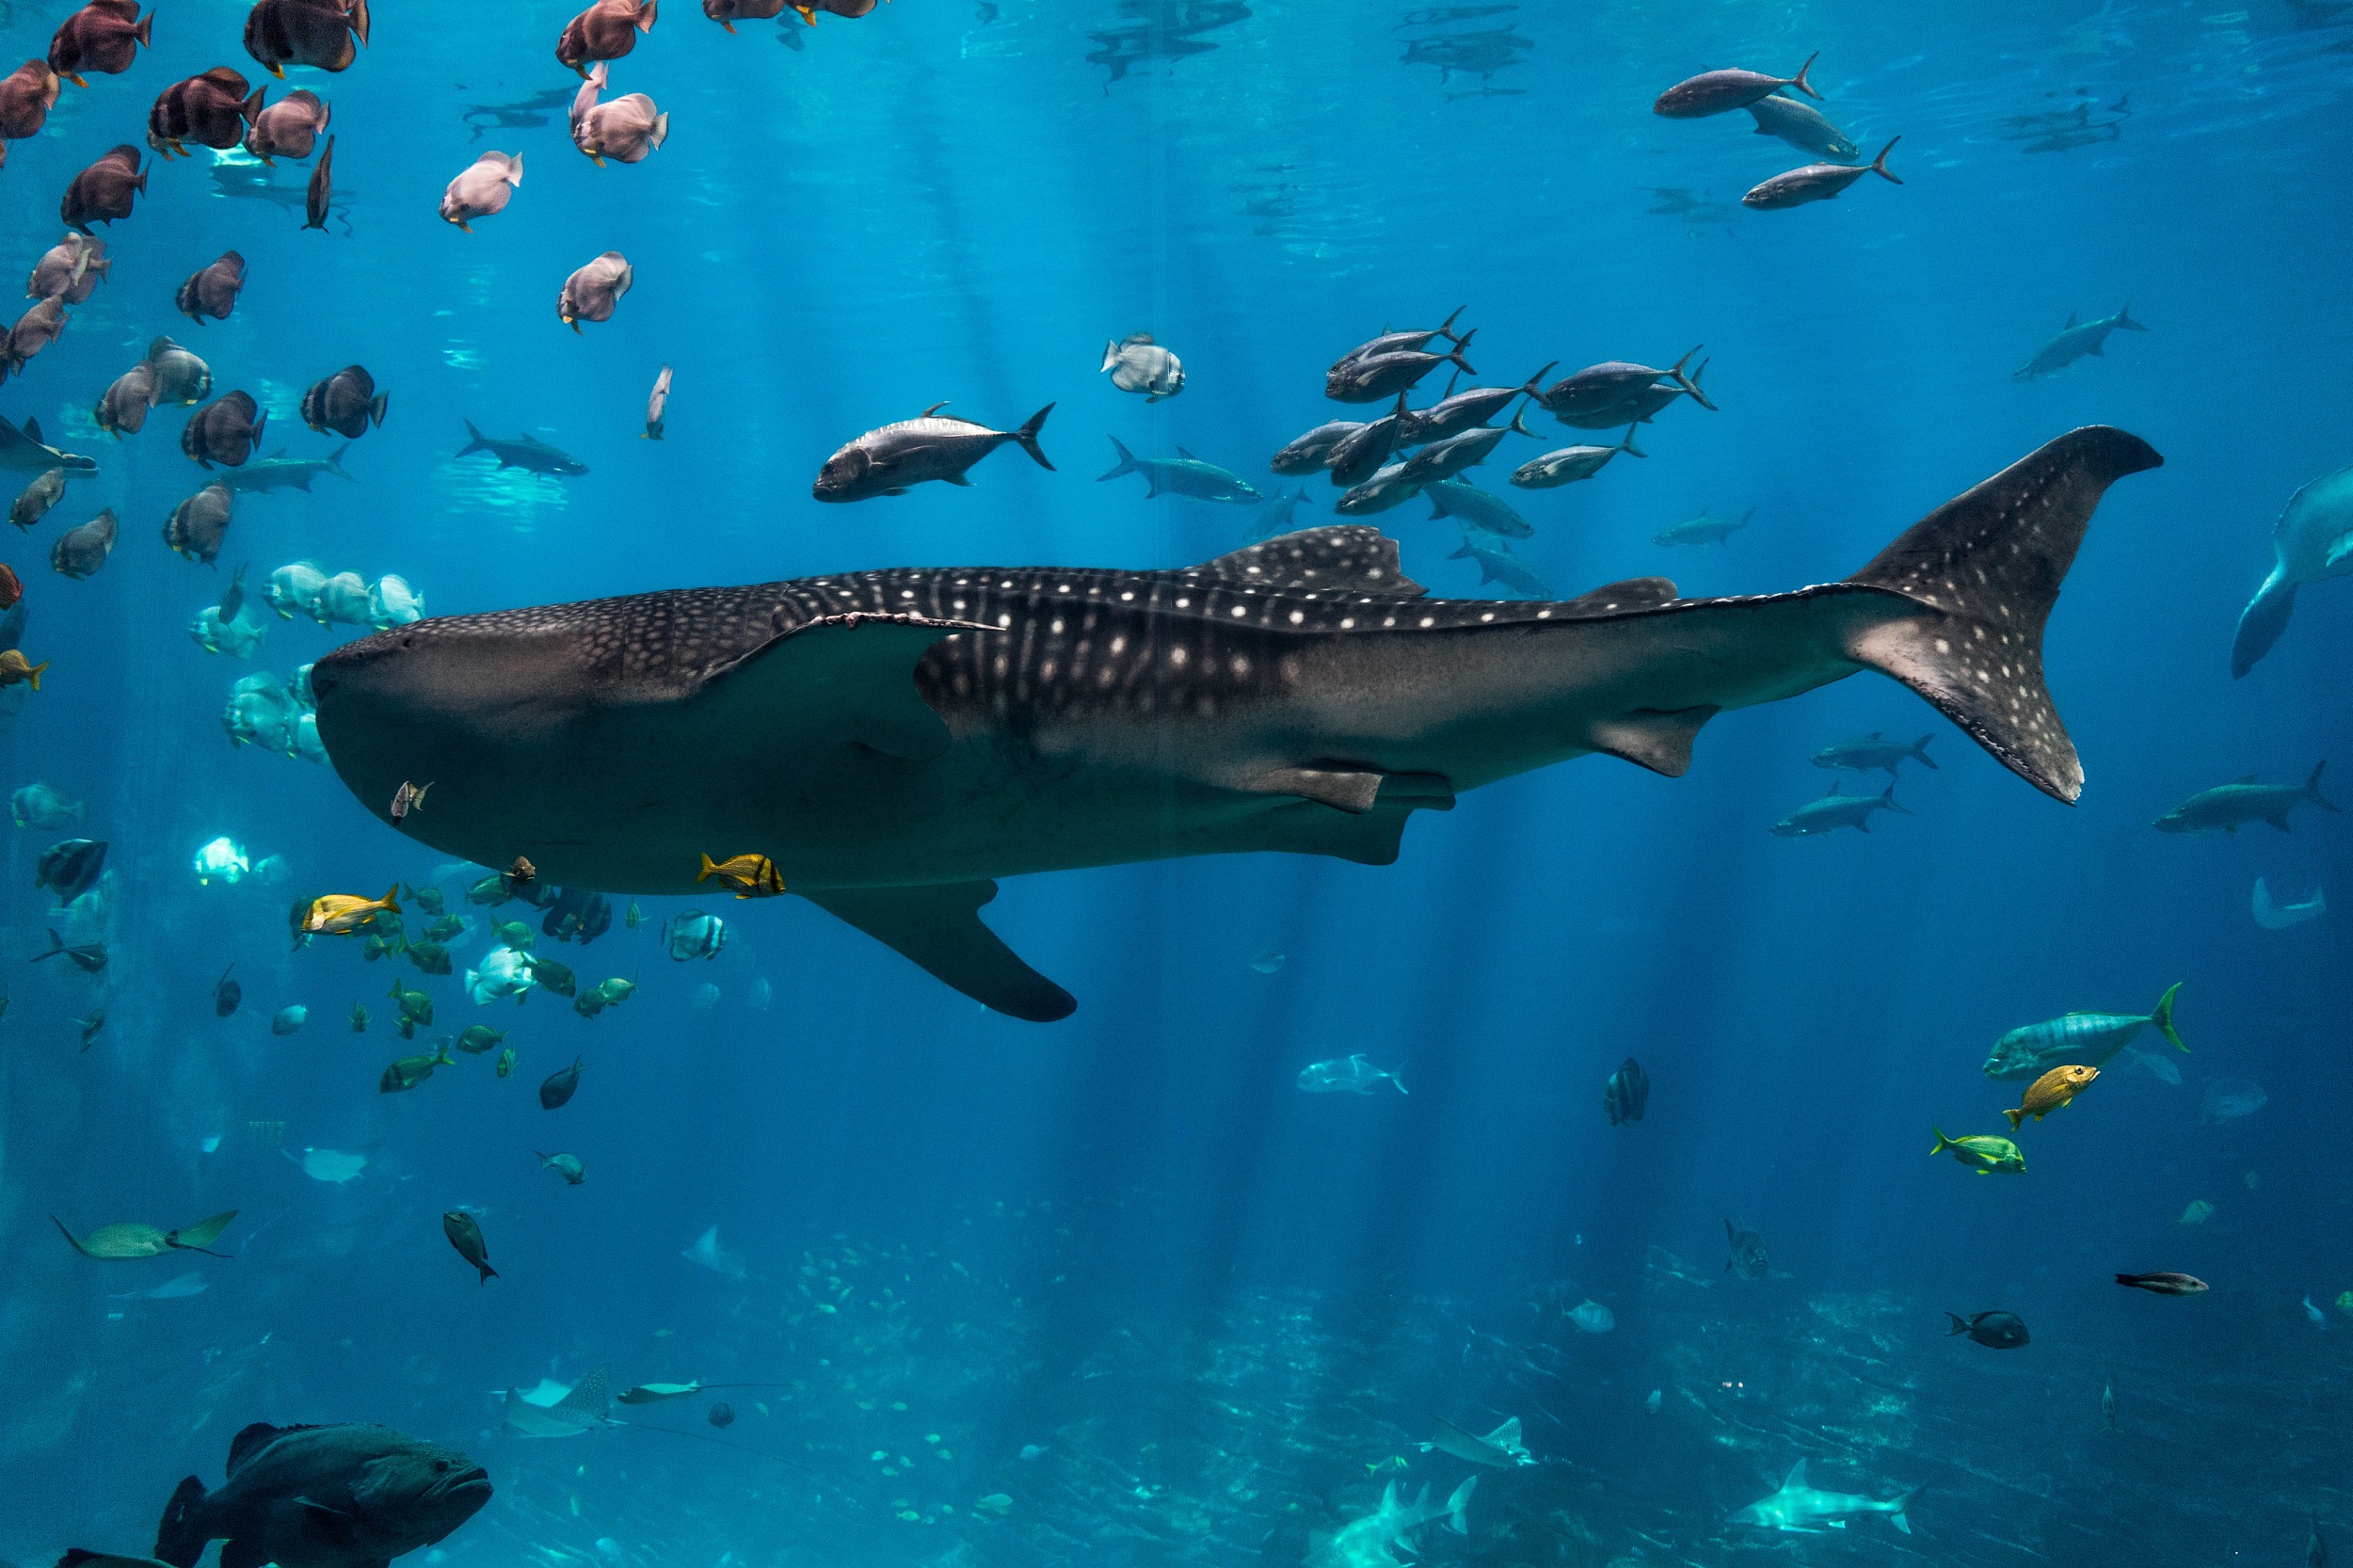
{"x": 22, "y": 450}
{"x": 897, "y": 741}
{"x": 582, "y": 1409}
{"x": 117, "y": 1243}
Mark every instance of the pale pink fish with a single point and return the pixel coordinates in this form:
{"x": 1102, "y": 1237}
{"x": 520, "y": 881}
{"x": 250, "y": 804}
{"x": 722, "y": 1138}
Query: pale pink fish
{"x": 482, "y": 188}
{"x": 590, "y": 293}
{"x": 624, "y": 130}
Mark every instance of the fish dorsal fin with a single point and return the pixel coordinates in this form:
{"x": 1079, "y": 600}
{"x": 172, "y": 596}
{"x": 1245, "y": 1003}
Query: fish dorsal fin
{"x": 587, "y": 1398}
{"x": 841, "y": 679}
{"x": 2070, "y": 322}
{"x": 1635, "y": 593}
{"x": 32, "y": 431}
{"x": 2250, "y": 778}
{"x": 1187, "y": 456}
{"x": 1343, "y": 557}
{"x": 1795, "y": 1479}
{"x": 252, "y": 1440}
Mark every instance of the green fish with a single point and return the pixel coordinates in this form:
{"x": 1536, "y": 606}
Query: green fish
{"x": 551, "y": 975}
{"x": 375, "y": 947}
{"x": 431, "y": 957}
{"x": 514, "y": 934}
{"x": 617, "y": 991}
{"x": 589, "y": 1002}
{"x": 2079, "y": 1039}
{"x": 358, "y": 1019}
{"x": 479, "y": 1038}
{"x": 409, "y": 1071}
{"x": 634, "y": 918}
{"x": 566, "y": 1165}
{"x": 428, "y": 899}
{"x": 91, "y": 1024}
{"x": 1984, "y": 1155}
{"x": 445, "y": 928}
{"x": 506, "y": 1060}
{"x": 490, "y": 891}
{"x": 415, "y": 1007}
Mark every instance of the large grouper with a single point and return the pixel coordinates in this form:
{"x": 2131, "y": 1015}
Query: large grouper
{"x": 894, "y": 741}
{"x": 330, "y": 1497}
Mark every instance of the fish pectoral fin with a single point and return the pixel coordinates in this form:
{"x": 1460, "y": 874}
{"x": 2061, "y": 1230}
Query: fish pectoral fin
{"x": 247, "y": 1554}
{"x": 1660, "y": 740}
{"x": 330, "y": 1524}
{"x": 848, "y": 679}
{"x": 938, "y": 929}
{"x": 1355, "y": 790}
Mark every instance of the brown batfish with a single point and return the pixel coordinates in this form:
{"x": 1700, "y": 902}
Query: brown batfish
{"x": 211, "y": 110}
{"x": 605, "y": 31}
{"x": 180, "y": 376}
{"x": 198, "y": 526}
{"x": 290, "y": 127}
{"x": 212, "y": 292}
{"x": 591, "y": 293}
{"x": 482, "y": 188}
{"x": 104, "y": 36}
{"x": 35, "y": 330}
{"x": 104, "y": 191}
{"x": 80, "y": 551}
{"x": 321, "y": 191}
{"x": 224, "y": 431}
{"x": 345, "y": 403}
{"x": 624, "y": 130}
{"x": 71, "y": 270}
{"x": 727, "y": 13}
{"x": 122, "y": 412}
{"x": 324, "y": 33}
{"x": 26, "y": 95}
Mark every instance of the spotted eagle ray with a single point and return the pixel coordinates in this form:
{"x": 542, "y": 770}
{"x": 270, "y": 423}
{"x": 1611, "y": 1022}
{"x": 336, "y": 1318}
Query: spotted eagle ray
{"x": 895, "y": 740}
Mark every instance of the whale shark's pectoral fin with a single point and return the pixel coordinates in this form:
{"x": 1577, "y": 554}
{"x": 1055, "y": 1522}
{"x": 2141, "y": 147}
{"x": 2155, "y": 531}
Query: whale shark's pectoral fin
{"x": 1659, "y": 741}
{"x": 849, "y": 679}
{"x": 1356, "y": 791}
{"x": 938, "y": 928}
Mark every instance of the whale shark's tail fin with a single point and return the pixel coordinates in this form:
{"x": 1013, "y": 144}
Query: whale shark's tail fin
{"x": 1986, "y": 567}
{"x": 2262, "y": 621}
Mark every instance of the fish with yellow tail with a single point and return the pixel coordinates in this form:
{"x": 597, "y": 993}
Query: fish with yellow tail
{"x": 745, "y": 876}
{"x": 344, "y": 914}
{"x": 1982, "y": 1153}
{"x": 2053, "y": 1090}
{"x": 17, "y": 670}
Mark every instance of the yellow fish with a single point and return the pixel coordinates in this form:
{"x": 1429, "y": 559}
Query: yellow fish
{"x": 2052, "y": 1092}
{"x": 344, "y": 914}
{"x": 749, "y": 875}
{"x": 15, "y": 667}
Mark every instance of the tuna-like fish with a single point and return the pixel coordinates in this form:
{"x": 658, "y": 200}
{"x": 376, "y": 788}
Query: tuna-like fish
{"x": 2312, "y": 542}
{"x": 2074, "y": 341}
{"x": 1444, "y": 460}
{"x": 1399, "y": 343}
{"x": 2228, "y": 807}
{"x": 593, "y": 290}
{"x": 1603, "y": 396}
{"x": 1458, "y": 412}
{"x": 1722, "y": 91}
{"x": 1816, "y": 181}
{"x": 1566, "y": 465}
{"x": 1312, "y": 451}
{"x": 1378, "y": 378}
{"x": 482, "y": 188}
{"x": 1799, "y": 1507}
{"x": 889, "y": 460}
{"x": 524, "y": 452}
{"x": 895, "y": 740}
{"x": 329, "y": 1497}
{"x": 1802, "y": 126}
{"x": 1137, "y": 364}
{"x": 2077, "y": 1039}
{"x": 1183, "y": 474}
{"x": 212, "y": 292}
{"x": 1389, "y": 486}
{"x": 1834, "y": 811}
{"x": 1357, "y": 456}
{"x": 1874, "y": 752}
{"x": 1703, "y": 529}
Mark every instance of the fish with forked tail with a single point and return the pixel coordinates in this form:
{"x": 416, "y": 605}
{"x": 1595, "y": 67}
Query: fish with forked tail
{"x": 2074, "y": 341}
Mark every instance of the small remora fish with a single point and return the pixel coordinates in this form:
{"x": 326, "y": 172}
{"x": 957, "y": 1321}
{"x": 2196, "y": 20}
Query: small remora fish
{"x": 325, "y": 1496}
{"x": 1982, "y": 1153}
{"x": 1183, "y": 474}
{"x": 657, "y": 404}
{"x": 523, "y": 451}
{"x": 1836, "y": 810}
{"x": 1802, "y": 126}
{"x": 2164, "y": 1283}
{"x": 2074, "y": 341}
{"x": 1816, "y": 181}
{"x": 1137, "y": 364}
{"x": 1874, "y": 751}
{"x": 1998, "y": 1331}
{"x": 890, "y": 460}
{"x": 465, "y": 1234}
{"x": 1720, "y": 91}
{"x": 1748, "y": 1258}
{"x": 2228, "y": 807}
{"x": 1351, "y": 1075}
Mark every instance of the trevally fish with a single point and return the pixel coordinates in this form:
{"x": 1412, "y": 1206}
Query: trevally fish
{"x": 2228, "y": 807}
{"x": 2088, "y": 1038}
{"x": 1802, "y": 126}
{"x": 1347, "y": 1075}
{"x": 2074, "y": 341}
{"x": 1799, "y": 1507}
{"x": 1183, "y": 474}
{"x": 882, "y": 705}
{"x": 1874, "y": 751}
{"x": 1836, "y": 810}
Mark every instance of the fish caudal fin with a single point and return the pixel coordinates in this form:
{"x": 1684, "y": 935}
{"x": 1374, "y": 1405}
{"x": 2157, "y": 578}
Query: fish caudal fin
{"x": 1919, "y": 753}
{"x": 1898, "y": 1515}
{"x": 1878, "y": 164}
{"x": 2312, "y": 791}
{"x": 1960, "y": 1325}
{"x": 1799, "y": 82}
{"x": 2017, "y": 1118}
{"x": 2125, "y": 319}
{"x": 1456, "y": 1519}
{"x": 180, "y": 1540}
{"x": 1983, "y": 570}
{"x": 475, "y": 441}
{"x": 1455, "y": 358}
{"x": 1942, "y": 1142}
{"x": 2161, "y": 1017}
{"x": 2262, "y": 621}
{"x": 1027, "y": 436}
{"x": 704, "y": 874}
{"x": 1127, "y": 462}
{"x": 1888, "y": 803}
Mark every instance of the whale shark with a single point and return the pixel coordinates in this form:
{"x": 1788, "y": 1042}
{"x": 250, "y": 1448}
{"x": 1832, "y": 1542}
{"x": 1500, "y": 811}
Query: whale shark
{"x": 896, "y": 741}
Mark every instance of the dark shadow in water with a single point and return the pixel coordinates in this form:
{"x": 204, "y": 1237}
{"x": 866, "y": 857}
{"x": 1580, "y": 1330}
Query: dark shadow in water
{"x": 527, "y": 114}
{"x": 1479, "y": 54}
{"x": 249, "y": 183}
{"x": 1161, "y": 30}
{"x": 2063, "y": 130}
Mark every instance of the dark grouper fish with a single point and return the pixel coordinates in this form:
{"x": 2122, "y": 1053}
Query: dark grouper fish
{"x": 339, "y": 1497}
{"x": 894, "y": 741}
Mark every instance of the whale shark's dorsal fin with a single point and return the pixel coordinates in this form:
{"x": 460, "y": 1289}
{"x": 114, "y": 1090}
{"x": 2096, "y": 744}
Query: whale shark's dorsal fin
{"x": 938, "y": 927}
{"x": 1342, "y": 557}
{"x": 1635, "y": 593}
{"x": 850, "y": 678}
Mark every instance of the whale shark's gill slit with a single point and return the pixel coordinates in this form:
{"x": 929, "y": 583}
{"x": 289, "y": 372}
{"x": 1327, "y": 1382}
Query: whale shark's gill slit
{"x": 1985, "y": 569}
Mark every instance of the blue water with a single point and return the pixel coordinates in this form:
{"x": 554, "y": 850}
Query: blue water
{"x": 1128, "y": 1239}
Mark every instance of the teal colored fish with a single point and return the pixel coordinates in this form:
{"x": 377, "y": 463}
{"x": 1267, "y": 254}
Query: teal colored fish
{"x": 2079, "y": 1039}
